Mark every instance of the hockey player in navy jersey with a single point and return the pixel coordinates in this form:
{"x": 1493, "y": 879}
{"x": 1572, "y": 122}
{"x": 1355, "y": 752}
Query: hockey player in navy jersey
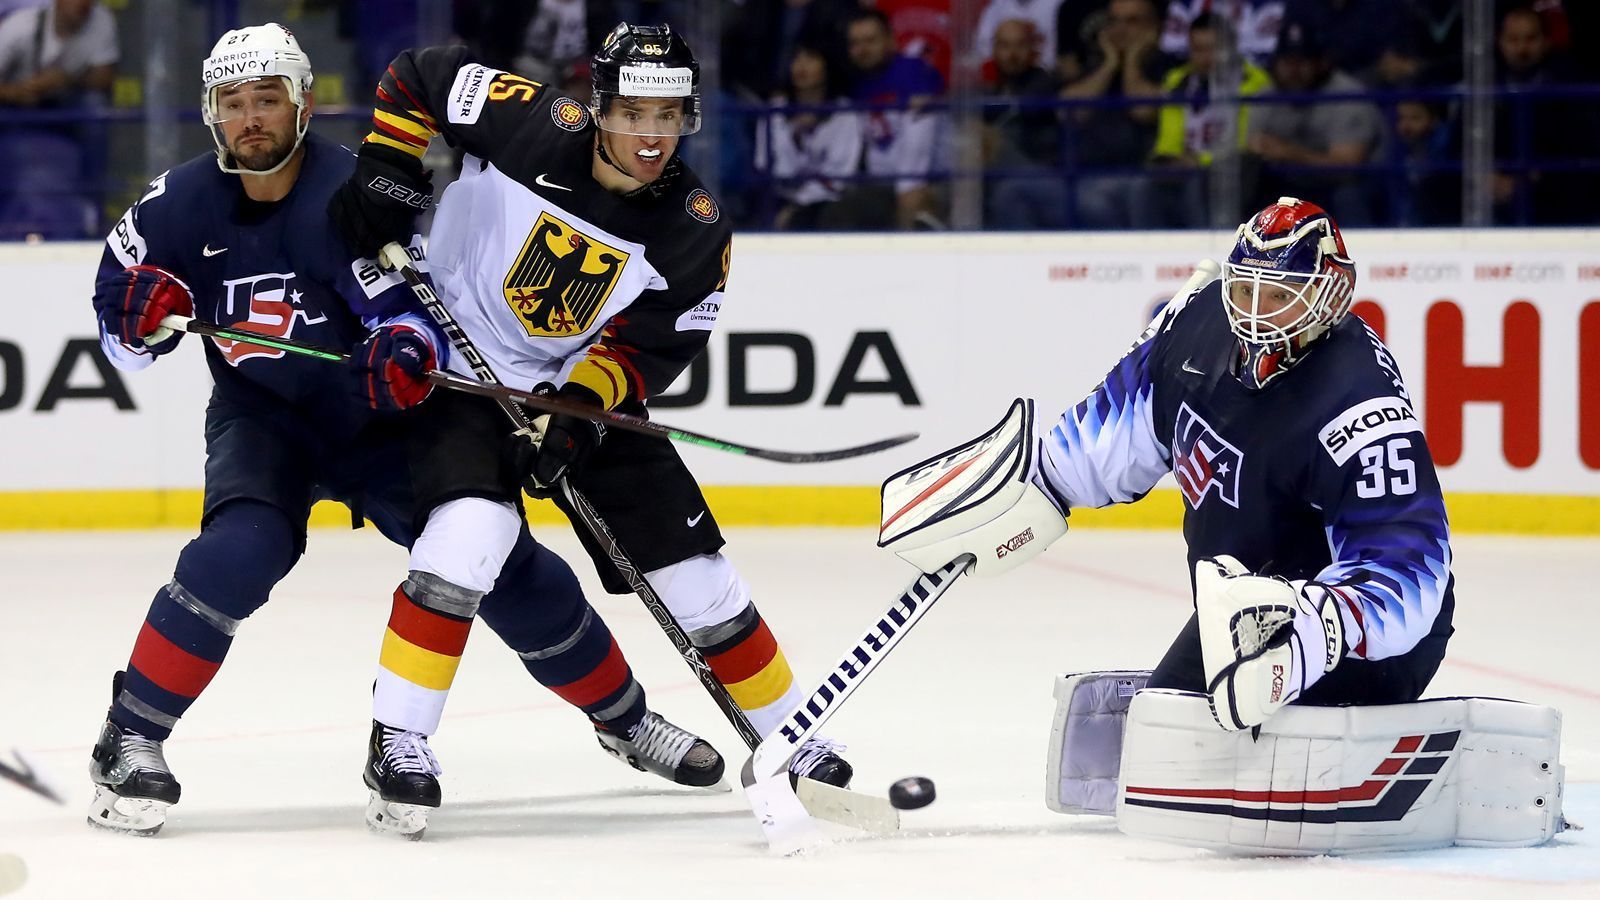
{"x": 1287, "y": 715}
{"x": 241, "y": 237}
{"x": 1306, "y": 481}
{"x": 576, "y": 251}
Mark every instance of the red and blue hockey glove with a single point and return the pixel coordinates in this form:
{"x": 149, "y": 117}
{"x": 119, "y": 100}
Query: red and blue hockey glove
{"x": 391, "y": 368}
{"x": 132, "y": 303}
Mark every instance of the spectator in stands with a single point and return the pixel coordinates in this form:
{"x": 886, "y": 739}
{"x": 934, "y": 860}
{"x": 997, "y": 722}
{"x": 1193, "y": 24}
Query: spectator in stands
{"x": 1078, "y": 23}
{"x": 1128, "y": 65}
{"x": 1021, "y": 143}
{"x": 1355, "y": 32}
{"x": 762, "y": 37}
{"x": 1193, "y": 128}
{"x": 1255, "y": 23}
{"x": 1430, "y": 152}
{"x": 921, "y": 30}
{"x": 1532, "y": 132}
{"x": 1041, "y": 14}
{"x": 57, "y": 56}
{"x": 1309, "y": 134}
{"x": 902, "y": 134}
{"x": 813, "y": 153}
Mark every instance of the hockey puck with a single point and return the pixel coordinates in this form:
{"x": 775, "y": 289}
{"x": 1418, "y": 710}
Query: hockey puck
{"x": 911, "y": 793}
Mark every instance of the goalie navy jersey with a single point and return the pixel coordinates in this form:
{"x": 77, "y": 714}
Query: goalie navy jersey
{"x": 555, "y": 278}
{"x": 278, "y": 269}
{"x": 1324, "y": 475}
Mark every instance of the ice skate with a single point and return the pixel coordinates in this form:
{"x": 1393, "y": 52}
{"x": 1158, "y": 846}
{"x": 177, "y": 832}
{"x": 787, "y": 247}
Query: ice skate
{"x": 658, "y": 746}
{"x": 402, "y": 776}
{"x": 818, "y": 759}
{"x": 133, "y": 786}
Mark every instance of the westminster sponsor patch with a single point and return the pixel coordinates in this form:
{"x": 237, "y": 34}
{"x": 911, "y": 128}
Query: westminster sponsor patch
{"x": 469, "y": 93}
{"x": 1364, "y": 423}
{"x": 702, "y": 207}
{"x": 569, "y": 114}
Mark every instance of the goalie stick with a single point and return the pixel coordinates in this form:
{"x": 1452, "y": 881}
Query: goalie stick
{"x": 782, "y": 811}
{"x": 829, "y": 802}
{"x": 543, "y": 403}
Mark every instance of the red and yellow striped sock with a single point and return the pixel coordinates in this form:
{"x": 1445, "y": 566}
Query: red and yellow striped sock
{"x": 422, "y": 648}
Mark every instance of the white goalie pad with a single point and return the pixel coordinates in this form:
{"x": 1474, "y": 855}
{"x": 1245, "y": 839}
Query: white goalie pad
{"x": 975, "y": 499}
{"x": 1086, "y": 740}
{"x": 1470, "y": 771}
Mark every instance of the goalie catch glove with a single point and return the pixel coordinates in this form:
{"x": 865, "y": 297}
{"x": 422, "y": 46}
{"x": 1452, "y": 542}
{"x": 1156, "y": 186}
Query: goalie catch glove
{"x": 1264, "y": 641}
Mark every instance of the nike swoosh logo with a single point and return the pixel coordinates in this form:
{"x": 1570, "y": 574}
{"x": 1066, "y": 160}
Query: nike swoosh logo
{"x": 210, "y": 252}
{"x": 544, "y": 182}
{"x": 696, "y": 520}
{"x": 1191, "y": 369}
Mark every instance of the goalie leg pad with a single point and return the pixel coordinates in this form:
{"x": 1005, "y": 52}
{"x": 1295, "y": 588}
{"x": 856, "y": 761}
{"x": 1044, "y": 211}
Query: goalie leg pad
{"x": 1086, "y": 740}
{"x": 1470, "y": 771}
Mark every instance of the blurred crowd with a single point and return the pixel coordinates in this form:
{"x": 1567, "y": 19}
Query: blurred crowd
{"x": 1110, "y": 114}
{"x": 864, "y": 115}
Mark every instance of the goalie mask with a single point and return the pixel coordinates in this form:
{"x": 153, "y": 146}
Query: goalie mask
{"x": 1288, "y": 280}
{"x": 248, "y": 55}
{"x": 644, "y": 63}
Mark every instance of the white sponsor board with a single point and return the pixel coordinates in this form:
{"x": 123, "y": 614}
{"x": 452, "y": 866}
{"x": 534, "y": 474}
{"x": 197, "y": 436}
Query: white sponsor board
{"x": 827, "y": 341}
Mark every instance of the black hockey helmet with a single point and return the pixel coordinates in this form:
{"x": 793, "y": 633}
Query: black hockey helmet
{"x": 645, "y": 61}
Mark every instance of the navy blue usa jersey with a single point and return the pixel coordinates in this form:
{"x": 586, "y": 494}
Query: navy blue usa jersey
{"x": 278, "y": 269}
{"x": 1323, "y": 475}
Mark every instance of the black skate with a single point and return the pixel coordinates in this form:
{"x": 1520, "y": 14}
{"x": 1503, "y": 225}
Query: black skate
{"x": 818, "y": 759}
{"x": 658, "y": 746}
{"x": 133, "y": 786}
{"x": 403, "y": 777}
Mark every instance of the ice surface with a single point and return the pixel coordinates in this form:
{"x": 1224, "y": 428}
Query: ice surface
{"x": 270, "y": 757}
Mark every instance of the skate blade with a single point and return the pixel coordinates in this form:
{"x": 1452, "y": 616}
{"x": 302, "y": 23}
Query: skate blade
{"x": 407, "y": 820}
{"x": 128, "y": 815}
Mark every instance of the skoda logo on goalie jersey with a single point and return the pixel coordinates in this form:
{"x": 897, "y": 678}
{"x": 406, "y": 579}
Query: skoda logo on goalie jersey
{"x": 1202, "y": 460}
{"x": 561, "y": 279}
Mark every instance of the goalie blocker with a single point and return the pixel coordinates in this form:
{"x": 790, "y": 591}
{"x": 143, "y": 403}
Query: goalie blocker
{"x": 1469, "y": 771}
{"x": 976, "y": 499}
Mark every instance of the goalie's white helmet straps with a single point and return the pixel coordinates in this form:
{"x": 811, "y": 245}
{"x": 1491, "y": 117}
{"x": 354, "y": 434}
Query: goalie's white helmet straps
{"x": 245, "y": 54}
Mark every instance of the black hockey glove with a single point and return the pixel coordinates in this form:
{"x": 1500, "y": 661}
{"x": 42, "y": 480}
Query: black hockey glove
{"x": 381, "y": 201}
{"x": 568, "y": 443}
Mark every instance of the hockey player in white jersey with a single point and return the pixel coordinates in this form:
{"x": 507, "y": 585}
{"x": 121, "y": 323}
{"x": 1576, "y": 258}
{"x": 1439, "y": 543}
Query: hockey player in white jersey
{"x": 1320, "y": 553}
{"x": 578, "y": 253}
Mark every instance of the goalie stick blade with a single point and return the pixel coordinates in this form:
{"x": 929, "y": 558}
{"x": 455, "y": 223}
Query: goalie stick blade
{"x": 842, "y": 806}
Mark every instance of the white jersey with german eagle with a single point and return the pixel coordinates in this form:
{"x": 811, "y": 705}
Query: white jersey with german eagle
{"x": 554, "y": 278}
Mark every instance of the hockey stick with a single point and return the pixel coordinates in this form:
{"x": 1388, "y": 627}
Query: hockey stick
{"x": 834, "y": 804}
{"x": 764, "y": 775}
{"x": 542, "y": 402}
{"x": 29, "y": 779}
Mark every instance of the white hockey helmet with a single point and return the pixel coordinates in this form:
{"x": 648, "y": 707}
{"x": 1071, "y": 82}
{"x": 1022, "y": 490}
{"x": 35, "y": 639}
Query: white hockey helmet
{"x": 246, "y": 54}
